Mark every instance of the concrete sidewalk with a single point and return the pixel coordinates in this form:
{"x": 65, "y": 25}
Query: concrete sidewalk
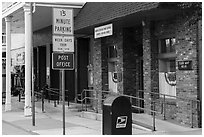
{"x": 50, "y": 122}
{"x": 77, "y": 123}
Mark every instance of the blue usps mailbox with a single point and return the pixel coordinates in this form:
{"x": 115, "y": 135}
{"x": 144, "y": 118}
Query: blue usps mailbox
{"x": 117, "y": 116}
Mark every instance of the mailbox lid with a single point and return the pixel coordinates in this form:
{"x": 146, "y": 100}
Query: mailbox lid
{"x": 109, "y": 101}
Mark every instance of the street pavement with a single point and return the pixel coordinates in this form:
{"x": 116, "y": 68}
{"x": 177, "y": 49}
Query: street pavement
{"x": 50, "y": 123}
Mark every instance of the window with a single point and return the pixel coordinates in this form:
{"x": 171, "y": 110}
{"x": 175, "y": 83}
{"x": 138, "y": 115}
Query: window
{"x": 167, "y": 67}
{"x": 3, "y": 54}
{"x": 167, "y": 45}
{"x": 172, "y": 65}
{"x": 3, "y": 39}
{"x": 167, "y": 77}
{"x": 112, "y": 51}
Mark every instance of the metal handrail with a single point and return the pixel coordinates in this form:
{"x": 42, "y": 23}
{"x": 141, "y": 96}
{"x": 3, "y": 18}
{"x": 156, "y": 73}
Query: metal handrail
{"x": 182, "y": 98}
{"x": 192, "y": 102}
{"x": 84, "y": 99}
{"x": 151, "y": 101}
{"x": 53, "y": 91}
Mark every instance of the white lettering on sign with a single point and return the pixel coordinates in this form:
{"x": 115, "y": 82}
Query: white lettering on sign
{"x": 63, "y": 57}
{"x": 121, "y": 122}
{"x": 63, "y": 64}
{"x": 63, "y": 61}
{"x": 103, "y": 31}
{"x": 62, "y": 21}
{"x": 63, "y": 43}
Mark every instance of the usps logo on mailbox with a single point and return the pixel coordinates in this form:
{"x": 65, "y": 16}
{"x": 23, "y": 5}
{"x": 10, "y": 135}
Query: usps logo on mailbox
{"x": 121, "y": 122}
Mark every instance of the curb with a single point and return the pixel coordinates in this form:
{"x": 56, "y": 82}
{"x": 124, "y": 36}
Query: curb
{"x": 28, "y": 131}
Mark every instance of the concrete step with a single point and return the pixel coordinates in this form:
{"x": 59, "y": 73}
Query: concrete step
{"x": 99, "y": 117}
{"x": 91, "y": 115}
{"x": 146, "y": 126}
{"x": 50, "y": 107}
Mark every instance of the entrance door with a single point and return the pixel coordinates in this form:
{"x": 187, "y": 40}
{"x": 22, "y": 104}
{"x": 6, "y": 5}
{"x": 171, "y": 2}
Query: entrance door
{"x": 83, "y": 61}
{"x": 133, "y": 64}
{"x": 35, "y": 67}
{"x": 42, "y": 66}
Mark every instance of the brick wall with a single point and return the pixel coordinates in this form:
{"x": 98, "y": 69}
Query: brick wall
{"x": 184, "y": 29}
{"x": 187, "y": 85}
{"x": 185, "y": 33}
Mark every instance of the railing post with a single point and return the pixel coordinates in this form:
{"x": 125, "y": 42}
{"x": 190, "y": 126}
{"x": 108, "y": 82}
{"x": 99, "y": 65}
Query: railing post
{"x": 68, "y": 100}
{"x": 96, "y": 100}
{"x": 96, "y": 103}
{"x": 85, "y": 102}
{"x": 82, "y": 104}
{"x": 138, "y": 102}
{"x": 199, "y": 113}
{"x": 154, "y": 128}
{"x": 48, "y": 96}
{"x": 55, "y": 104}
{"x": 19, "y": 97}
{"x": 164, "y": 107}
{"x": 58, "y": 99}
{"x": 42, "y": 94}
{"x": 191, "y": 113}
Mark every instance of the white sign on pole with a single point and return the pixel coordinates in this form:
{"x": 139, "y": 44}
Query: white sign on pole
{"x": 63, "y": 43}
{"x": 103, "y": 31}
{"x": 63, "y": 21}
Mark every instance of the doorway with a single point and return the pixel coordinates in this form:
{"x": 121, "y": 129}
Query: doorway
{"x": 82, "y": 61}
{"x": 133, "y": 65}
{"x": 41, "y": 66}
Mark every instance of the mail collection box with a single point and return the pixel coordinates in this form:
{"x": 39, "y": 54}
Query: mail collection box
{"x": 117, "y": 116}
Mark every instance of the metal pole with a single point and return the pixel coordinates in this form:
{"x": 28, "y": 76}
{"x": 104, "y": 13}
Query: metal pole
{"x": 63, "y": 98}
{"x": 85, "y": 101}
{"x": 76, "y": 73}
{"x": 164, "y": 107}
{"x": 192, "y": 114}
{"x": 33, "y": 100}
{"x": 55, "y": 105}
{"x": 33, "y": 91}
{"x": 19, "y": 96}
{"x": 42, "y": 101}
{"x": 154, "y": 129}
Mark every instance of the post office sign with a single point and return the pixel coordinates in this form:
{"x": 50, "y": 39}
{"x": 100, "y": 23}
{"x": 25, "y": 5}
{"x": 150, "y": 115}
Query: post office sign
{"x": 63, "y": 61}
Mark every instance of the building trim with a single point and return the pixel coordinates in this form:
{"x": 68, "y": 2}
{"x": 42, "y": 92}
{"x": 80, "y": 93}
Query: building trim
{"x": 12, "y": 9}
{"x": 60, "y": 5}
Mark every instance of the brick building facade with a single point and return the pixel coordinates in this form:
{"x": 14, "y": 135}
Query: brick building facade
{"x": 140, "y": 33}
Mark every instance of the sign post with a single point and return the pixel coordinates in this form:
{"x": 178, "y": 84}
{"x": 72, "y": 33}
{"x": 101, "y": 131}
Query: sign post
{"x": 63, "y": 99}
{"x": 63, "y": 47}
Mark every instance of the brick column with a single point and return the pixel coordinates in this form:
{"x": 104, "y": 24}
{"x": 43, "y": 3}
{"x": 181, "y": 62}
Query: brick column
{"x": 97, "y": 72}
{"x": 147, "y": 63}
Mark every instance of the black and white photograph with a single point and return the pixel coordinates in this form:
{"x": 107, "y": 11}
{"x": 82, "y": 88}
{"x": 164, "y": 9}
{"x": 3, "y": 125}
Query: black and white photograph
{"x": 101, "y": 67}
